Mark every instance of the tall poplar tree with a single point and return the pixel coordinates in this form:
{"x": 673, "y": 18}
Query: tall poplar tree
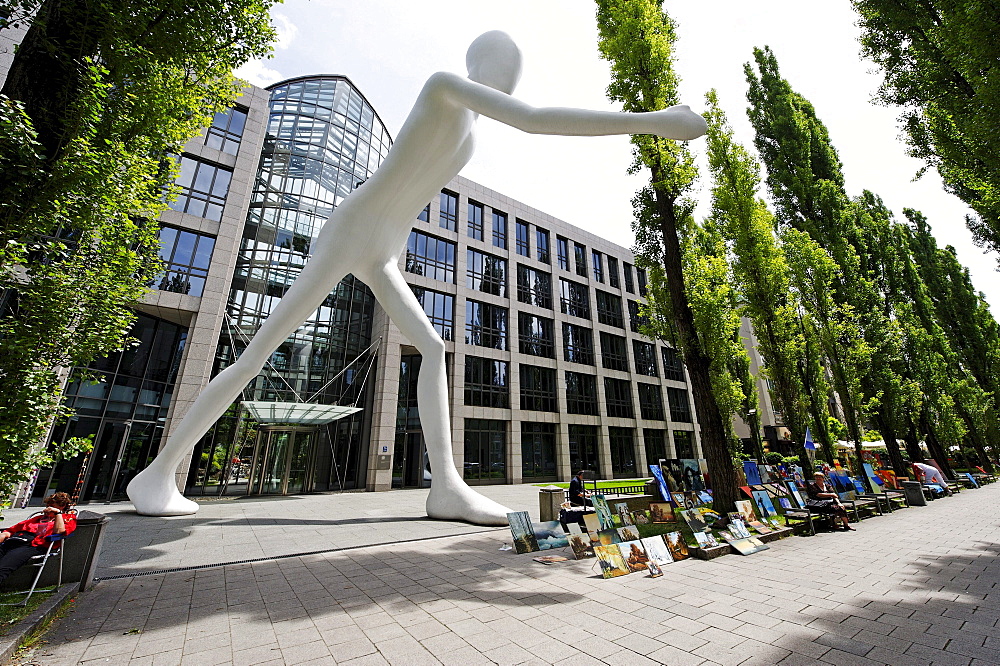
{"x": 637, "y": 37}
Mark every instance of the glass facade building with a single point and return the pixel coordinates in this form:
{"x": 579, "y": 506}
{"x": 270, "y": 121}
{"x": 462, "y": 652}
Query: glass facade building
{"x": 323, "y": 140}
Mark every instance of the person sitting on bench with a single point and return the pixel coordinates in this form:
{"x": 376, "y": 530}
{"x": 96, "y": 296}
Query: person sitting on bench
{"x": 577, "y": 493}
{"x": 822, "y": 499}
{"x": 29, "y": 538}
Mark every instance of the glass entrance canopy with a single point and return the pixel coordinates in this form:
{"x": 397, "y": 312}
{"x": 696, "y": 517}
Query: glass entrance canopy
{"x": 296, "y": 412}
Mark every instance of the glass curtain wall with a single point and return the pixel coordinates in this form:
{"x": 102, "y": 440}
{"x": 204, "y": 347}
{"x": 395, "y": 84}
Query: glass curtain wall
{"x": 323, "y": 140}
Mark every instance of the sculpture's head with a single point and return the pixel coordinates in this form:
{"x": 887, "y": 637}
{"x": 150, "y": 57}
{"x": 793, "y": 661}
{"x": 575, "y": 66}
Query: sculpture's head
{"x": 494, "y": 60}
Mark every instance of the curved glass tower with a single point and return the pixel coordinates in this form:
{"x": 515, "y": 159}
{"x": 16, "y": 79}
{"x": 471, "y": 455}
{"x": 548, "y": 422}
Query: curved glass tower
{"x": 323, "y": 140}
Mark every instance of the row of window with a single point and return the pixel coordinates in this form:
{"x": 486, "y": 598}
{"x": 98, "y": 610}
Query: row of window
{"x": 487, "y": 385}
{"x": 486, "y": 449}
{"x": 604, "y": 266}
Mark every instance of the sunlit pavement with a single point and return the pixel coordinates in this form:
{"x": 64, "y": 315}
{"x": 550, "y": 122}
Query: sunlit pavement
{"x": 913, "y": 587}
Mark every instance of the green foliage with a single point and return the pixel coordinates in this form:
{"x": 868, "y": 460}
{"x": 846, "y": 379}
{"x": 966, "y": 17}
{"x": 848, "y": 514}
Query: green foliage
{"x": 636, "y": 37}
{"x": 84, "y": 164}
{"x": 773, "y": 458}
{"x": 939, "y": 62}
{"x": 790, "y": 460}
{"x": 871, "y": 436}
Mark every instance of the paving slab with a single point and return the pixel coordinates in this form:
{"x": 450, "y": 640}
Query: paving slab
{"x": 381, "y": 584}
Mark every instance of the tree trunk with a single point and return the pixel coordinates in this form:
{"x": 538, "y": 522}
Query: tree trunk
{"x": 892, "y": 446}
{"x": 934, "y": 446}
{"x": 714, "y": 443}
{"x": 913, "y": 444}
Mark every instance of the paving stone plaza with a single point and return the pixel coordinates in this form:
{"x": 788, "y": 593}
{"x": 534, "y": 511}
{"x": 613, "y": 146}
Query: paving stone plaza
{"x": 917, "y": 586}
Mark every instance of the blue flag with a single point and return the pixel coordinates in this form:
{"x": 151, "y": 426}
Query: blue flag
{"x": 809, "y": 444}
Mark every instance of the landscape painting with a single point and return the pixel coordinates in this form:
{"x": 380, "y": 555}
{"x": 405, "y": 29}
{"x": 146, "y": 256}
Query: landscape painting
{"x": 550, "y": 535}
{"x": 661, "y": 512}
{"x": 675, "y": 544}
{"x": 611, "y": 561}
{"x": 581, "y": 546}
{"x": 629, "y": 533}
{"x": 656, "y": 550}
{"x": 592, "y": 522}
{"x": 522, "y": 532}
{"x": 764, "y": 504}
{"x": 694, "y": 520}
{"x": 634, "y": 555}
{"x": 603, "y": 512}
{"x": 608, "y": 537}
{"x": 745, "y": 507}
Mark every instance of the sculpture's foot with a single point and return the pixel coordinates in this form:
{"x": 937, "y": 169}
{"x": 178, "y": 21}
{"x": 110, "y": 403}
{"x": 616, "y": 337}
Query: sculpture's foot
{"x": 155, "y": 494}
{"x": 460, "y": 502}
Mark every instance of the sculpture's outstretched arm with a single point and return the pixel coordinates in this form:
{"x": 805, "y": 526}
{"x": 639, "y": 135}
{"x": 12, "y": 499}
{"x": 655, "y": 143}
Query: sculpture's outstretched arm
{"x": 677, "y": 122}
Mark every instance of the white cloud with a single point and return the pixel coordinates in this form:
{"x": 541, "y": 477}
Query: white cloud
{"x": 287, "y": 31}
{"x": 256, "y": 73}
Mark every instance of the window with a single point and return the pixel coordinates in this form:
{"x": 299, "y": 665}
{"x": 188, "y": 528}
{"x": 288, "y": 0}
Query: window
{"x": 645, "y": 358}
{"x": 636, "y": 320}
{"x": 684, "y": 443}
{"x": 673, "y": 366}
{"x": 596, "y": 259}
{"x": 583, "y": 449}
{"x": 226, "y": 131}
{"x": 574, "y": 299}
{"x": 581, "y": 393}
{"x": 613, "y": 352}
{"x": 486, "y": 273}
{"x": 622, "y": 441}
{"x": 203, "y": 188}
{"x": 485, "y": 451}
{"x": 580, "y": 259}
{"x": 499, "y": 230}
{"x": 562, "y": 252}
{"x": 439, "y": 309}
{"x": 618, "y": 393}
{"x": 425, "y": 214}
{"x": 431, "y": 257}
{"x": 538, "y": 389}
{"x": 655, "y": 441}
{"x": 578, "y": 344}
{"x": 641, "y": 278}
{"x": 609, "y": 309}
{"x": 538, "y": 451}
{"x": 613, "y": 272}
{"x": 680, "y": 409}
{"x": 486, "y": 382}
{"x": 629, "y": 283}
{"x": 521, "y": 240}
{"x": 186, "y": 256}
{"x": 650, "y": 402}
{"x": 475, "y": 220}
{"x": 542, "y": 245}
{"x": 536, "y": 335}
{"x": 449, "y": 211}
{"x": 485, "y": 325}
{"x": 534, "y": 287}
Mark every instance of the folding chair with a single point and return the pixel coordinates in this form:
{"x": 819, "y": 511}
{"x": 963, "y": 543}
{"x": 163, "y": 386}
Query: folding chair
{"x": 54, "y": 550}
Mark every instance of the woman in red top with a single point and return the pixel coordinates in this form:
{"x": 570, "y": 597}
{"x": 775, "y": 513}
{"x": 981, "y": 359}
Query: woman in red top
{"x": 20, "y": 543}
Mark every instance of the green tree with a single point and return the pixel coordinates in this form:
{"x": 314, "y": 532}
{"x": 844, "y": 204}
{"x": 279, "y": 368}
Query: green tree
{"x": 84, "y": 164}
{"x": 761, "y": 276}
{"x": 637, "y": 37}
{"x": 939, "y": 60}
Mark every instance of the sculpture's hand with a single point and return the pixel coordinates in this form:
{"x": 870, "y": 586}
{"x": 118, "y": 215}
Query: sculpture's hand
{"x": 677, "y": 122}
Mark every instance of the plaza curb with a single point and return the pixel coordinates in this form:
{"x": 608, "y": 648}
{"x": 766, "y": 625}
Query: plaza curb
{"x": 11, "y": 642}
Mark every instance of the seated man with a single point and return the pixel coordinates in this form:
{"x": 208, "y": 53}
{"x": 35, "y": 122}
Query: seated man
{"x": 26, "y": 539}
{"x": 577, "y": 493}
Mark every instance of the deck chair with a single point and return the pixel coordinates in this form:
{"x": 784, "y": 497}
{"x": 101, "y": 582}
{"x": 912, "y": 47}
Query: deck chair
{"x": 54, "y": 550}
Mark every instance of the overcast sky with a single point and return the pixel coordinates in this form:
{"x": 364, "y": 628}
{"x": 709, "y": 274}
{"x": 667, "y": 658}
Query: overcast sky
{"x": 388, "y": 48}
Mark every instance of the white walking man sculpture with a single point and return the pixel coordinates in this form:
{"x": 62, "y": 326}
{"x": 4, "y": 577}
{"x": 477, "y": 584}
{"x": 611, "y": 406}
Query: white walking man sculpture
{"x": 365, "y": 236}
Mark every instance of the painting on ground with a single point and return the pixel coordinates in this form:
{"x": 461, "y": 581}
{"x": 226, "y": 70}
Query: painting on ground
{"x": 550, "y": 535}
{"x": 581, "y": 546}
{"x": 706, "y": 539}
{"x": 634, "y": 555}
{"x": 611, "y": 561}
{"x": 603, "y": 512}
{"x": 752, "y": 472}
{"x": 745, "y": 507}
{"x": 628, "y": 533}
{"x": 661, "y": 512}
{"x": 764, "y": 504}
{"x": 592, "y": 522}
{"x": 694, "y": 520}
{"x": 521, "y": 531}
{"x": 675, "y": 544}
{"x": 608, "y": 537}
{"x": 623, "y": 513}
{"x": 673, "y": 474}
{"x": 656, "y": 550}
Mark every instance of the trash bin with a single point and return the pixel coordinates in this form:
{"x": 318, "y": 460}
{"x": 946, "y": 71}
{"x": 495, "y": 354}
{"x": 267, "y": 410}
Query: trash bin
{"x": 549, "y": 500}
{"x": 914, "y": 492}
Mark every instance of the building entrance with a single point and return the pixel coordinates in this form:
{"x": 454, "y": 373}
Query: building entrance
{"x": 410, "y": 466}
{"x": 121, "y": 450}
{"x": 282, "y": 463}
